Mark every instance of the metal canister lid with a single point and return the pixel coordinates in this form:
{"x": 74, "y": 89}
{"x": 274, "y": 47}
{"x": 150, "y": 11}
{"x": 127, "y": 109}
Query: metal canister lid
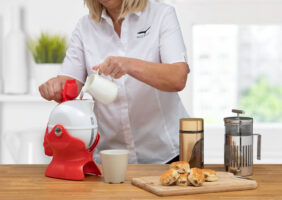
{"x": 191, "y": 125}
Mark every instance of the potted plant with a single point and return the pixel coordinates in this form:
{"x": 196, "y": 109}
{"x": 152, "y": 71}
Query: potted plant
{"x": 48, "y": 53}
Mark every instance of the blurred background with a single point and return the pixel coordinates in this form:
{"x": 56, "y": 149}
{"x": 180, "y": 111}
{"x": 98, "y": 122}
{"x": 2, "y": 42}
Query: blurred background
{"x": 234, "y": 51}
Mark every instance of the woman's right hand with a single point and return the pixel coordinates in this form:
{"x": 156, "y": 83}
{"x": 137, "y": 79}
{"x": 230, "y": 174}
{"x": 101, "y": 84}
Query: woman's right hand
{"x": 51, "y": 89}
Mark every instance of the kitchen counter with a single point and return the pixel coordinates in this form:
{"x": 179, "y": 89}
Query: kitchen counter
{"x": 28, "y": 182}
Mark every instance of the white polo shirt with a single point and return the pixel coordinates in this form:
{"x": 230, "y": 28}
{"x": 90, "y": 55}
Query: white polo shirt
{"x": 142, "y": 119}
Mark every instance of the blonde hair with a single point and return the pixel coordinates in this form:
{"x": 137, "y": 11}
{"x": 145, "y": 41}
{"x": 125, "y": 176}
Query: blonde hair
{"x": 95, "y": 8}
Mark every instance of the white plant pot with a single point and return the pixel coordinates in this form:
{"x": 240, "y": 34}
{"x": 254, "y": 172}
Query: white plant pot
{"x": 43, "y": 72}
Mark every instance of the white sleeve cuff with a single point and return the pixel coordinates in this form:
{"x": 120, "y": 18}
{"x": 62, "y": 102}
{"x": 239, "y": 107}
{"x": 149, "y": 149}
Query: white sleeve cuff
{"x": 72, "y": 76}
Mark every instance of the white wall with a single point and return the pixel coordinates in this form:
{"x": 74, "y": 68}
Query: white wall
{"x": 1, "y": 53}
{"x": 22, "y": 117}
{"x": 191, "y": 12}
{"x": 58, "y": 16}
{"x": 54, "y": 16}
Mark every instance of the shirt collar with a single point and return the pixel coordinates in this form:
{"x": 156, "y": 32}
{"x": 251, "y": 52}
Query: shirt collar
{"x": 138, "y": 13}
{"x": 104, "y": 14}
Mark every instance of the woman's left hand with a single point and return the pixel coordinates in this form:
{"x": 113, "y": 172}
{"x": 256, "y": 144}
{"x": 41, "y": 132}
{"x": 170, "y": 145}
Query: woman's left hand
{"x": 114, "y": 66}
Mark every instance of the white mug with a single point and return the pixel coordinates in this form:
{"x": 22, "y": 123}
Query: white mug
{"x": 101, "y": 89}
{"x": 114, "y": 165}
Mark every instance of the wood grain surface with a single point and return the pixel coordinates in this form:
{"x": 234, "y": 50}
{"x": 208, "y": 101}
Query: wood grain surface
{"x": 226, "y": 182}
{"x": 21, "y": 182}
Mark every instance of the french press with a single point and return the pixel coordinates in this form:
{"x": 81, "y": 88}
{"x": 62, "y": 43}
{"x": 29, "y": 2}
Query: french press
{"x": 238, "y": 149}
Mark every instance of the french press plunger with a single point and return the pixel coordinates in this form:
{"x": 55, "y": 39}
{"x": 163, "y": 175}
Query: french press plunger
{"x": 238, "y": 149}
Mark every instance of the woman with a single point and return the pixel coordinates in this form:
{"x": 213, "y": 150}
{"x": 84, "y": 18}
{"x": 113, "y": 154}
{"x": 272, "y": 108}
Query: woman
{"x": 139, "y": 44}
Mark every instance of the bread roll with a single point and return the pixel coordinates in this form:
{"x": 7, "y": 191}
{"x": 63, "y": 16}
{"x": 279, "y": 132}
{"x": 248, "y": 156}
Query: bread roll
{"x": 183, "y": 180}
{"x": 210, "y": 175}
{"x": 169, "y": 177}
{"x": 196, "y": 177}
{"x": 180, "y": 166}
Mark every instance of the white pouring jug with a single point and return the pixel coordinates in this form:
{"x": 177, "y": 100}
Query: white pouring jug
{"x": 101, "y": 89}
{"x": 26, "y": 146}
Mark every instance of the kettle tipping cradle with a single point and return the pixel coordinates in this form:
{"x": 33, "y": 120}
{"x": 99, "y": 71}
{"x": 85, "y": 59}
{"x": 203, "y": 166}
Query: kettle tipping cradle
{"x": 71, "y": 137}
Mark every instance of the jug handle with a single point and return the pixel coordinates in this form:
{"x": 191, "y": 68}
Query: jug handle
{"x": 258, "y": 146}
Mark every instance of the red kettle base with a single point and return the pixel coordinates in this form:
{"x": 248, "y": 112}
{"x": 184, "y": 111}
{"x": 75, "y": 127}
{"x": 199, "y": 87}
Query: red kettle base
{"x": 71, "y": 160}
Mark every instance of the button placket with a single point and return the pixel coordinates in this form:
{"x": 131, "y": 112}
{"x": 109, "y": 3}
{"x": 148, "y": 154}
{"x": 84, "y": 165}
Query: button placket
{"x": 123, "y": 35}
{"x": 126, "y": 129}
{"x": 126, "y": 122}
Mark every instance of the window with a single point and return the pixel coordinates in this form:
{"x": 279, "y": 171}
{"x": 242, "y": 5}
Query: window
{"x": 234, "y": 52}
{"x": 238, "y": 66}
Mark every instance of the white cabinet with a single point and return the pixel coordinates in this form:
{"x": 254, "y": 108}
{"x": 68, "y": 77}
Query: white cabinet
{"x": 23, "y": 120}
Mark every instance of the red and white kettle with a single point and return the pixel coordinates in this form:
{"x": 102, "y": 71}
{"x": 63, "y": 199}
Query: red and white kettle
{"x": 71, "y": 137}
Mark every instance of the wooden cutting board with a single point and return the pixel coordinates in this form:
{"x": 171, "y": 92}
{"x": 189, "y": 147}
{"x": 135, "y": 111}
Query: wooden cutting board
{"x": 226, "y": 182}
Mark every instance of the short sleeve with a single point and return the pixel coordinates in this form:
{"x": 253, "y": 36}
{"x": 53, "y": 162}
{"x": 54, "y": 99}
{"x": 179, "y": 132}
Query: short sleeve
{"x": 172, "y": 48}
{"x": 74, "y": 61}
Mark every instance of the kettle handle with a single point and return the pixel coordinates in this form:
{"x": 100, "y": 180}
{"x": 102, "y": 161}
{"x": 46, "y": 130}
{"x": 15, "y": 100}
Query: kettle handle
{"x": 258, "y": 146}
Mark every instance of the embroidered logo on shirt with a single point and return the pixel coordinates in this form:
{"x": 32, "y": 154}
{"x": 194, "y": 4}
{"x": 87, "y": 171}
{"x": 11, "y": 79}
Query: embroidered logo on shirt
{"x": 144, "y": 33}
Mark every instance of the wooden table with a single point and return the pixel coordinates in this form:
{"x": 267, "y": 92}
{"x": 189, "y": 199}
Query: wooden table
{"x": 28, "y": 182}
